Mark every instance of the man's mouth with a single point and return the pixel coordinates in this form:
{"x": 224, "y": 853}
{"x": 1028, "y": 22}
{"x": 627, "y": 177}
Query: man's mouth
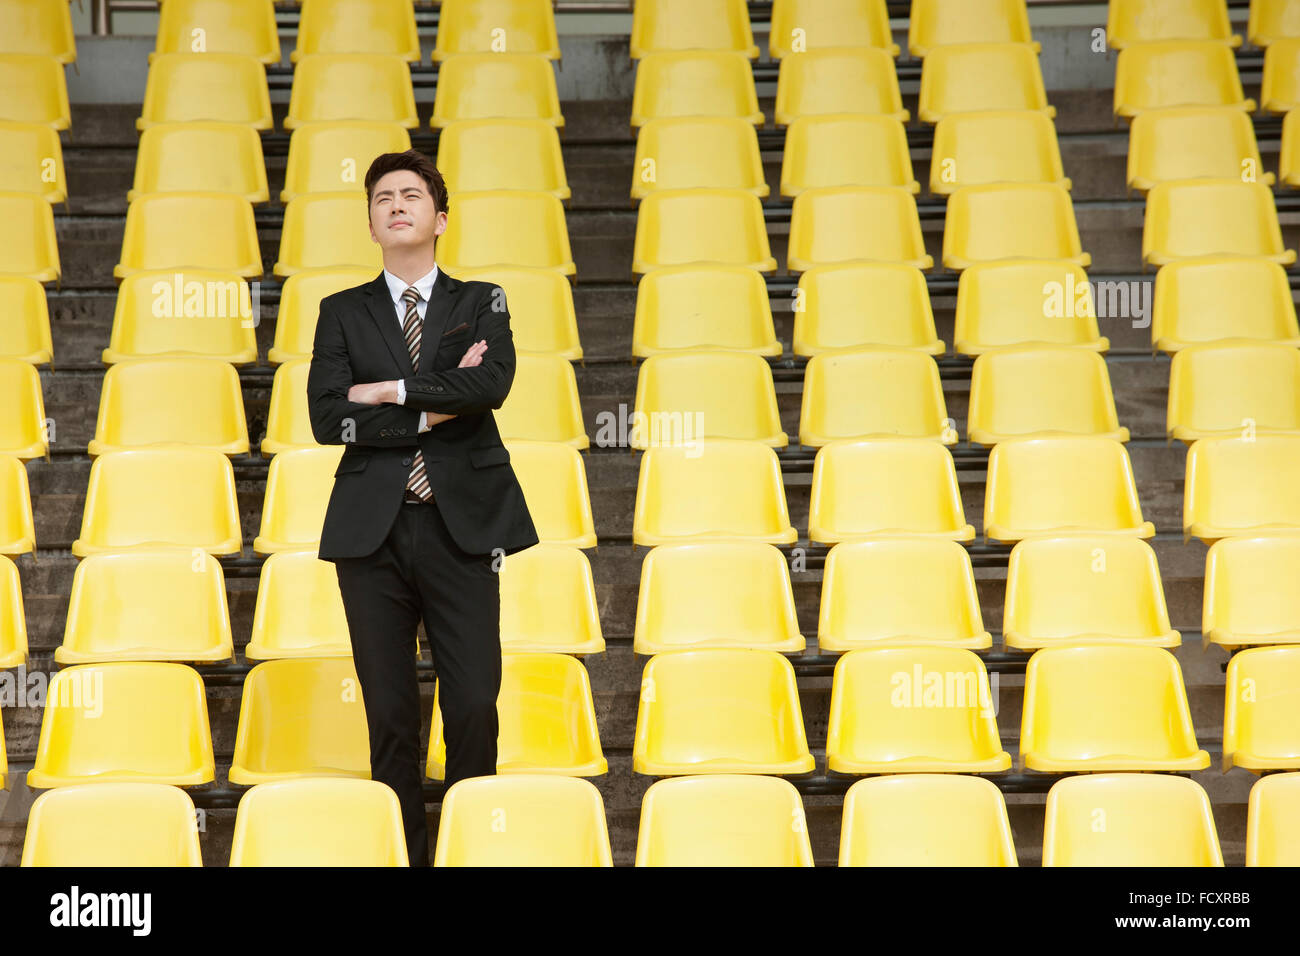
{"x": 400, "y": 222}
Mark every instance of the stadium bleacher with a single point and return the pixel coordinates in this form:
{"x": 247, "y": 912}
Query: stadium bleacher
{"x": 877, "y": 523}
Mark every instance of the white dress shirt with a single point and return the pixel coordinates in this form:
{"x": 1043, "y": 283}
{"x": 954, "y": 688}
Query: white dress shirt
{"x": 396, "y": 287}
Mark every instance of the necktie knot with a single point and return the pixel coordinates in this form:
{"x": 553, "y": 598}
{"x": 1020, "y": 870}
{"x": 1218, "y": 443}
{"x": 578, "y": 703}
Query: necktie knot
{"x": 411, "y": 296}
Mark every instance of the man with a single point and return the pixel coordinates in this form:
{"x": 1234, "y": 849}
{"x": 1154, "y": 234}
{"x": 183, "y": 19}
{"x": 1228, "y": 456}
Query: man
{"x": 405, "y": 373}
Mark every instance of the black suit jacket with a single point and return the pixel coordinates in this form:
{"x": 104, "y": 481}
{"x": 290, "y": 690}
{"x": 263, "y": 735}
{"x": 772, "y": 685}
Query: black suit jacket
{"x": 359, "y": 339}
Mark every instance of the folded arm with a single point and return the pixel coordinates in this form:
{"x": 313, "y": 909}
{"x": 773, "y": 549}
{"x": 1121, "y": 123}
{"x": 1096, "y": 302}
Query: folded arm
{"x": 334, "y": 419}
{"x": 475, "y": 389}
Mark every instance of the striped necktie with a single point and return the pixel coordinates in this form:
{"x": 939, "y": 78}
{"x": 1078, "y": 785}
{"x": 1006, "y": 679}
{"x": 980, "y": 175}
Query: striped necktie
{"x": 411, "y": 329}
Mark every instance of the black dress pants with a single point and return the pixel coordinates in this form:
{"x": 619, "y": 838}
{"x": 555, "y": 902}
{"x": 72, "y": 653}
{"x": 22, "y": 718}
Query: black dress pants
{"x": 419, "y": 573}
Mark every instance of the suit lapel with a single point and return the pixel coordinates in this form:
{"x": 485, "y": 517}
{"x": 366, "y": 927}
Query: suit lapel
{"x": 381, "y": 309}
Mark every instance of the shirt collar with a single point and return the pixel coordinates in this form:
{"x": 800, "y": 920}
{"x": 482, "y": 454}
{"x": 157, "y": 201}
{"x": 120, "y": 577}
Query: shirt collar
{"x": 425, "y": 285}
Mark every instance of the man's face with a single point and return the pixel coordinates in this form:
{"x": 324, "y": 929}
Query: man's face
{"x": 403, "y": 213}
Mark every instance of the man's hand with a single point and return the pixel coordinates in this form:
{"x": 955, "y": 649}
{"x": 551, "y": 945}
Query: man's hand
{"x": 373, "y": 393}
{"x": 377, "y": 393}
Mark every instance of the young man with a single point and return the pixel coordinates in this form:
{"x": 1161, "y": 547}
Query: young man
{"x": 405, "y": 372}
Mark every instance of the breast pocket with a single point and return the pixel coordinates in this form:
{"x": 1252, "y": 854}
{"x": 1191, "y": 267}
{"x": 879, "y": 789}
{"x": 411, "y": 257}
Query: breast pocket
{"x": 350, "y": 464}
{"x": 484, "y": 456}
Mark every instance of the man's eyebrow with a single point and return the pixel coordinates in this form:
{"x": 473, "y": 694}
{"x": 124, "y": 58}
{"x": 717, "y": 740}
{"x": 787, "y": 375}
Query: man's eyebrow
{"x": 390, "y": 190}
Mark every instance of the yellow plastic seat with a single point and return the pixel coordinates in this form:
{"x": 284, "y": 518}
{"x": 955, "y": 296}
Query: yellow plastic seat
{"x": 710, "y": 489}
{"x": 298, "y": 486}
{"x": 1193, "y": 142}
{"x": 1129, "y": 819}
{"x": 178, "y": 231}
{"x": 246, "y": 27}
{"x": 333, "y": 156}
{"x": 28, "y": 246}
{"x": 845, "y": 149}
{"x": 677, "y": 226}
{"x": 138, "y": 407}
{"x": 1289, "y": 159}
{"x": 694, "y": 83}
{"x": 547, "y": 720}
{"x": 913, "y": 709}
{"x": 1152, "y": 76}
{"x": 185, "y": 313}
{"x": 126, "y": 721}
{"x": 496, "y": 26}
{"x": 1232, "y": 389}
{"x": 885, "y": 488}
{"x": 702, "y": 306}
{"x": 999, "y": 146}
{"x": 476, "y": 155}
{"x": 554, "y": 482}
{"x": 1011, "y": 221}
{"x": 352, "y": 86}
{"x": 327, "y": 231}
{"x": 1024, "y": 303}
{"x": 978, "y": 77}
{"x": 910, "y": 591}
{"x": 1041, "y": 392}
{"x": 1145, "y": 21}
{"x": 496, "y": 86}
{"x": 850, "y": 223}
{"x": 927, "y": 819}
{"x": 301, "y": 718}
{"x": 27, "y": 330}
{"x": 838, "y": 80}
{"x": 1215, "y": 298}
{"x": 1242, "y": 486}
{"x": 288, "y": 421}
{"x": 542, "y": 316}
{"x": 357, "y": 26}
{"x": 201, "y": 157}
{"x": 1047, "y": 487}
{"x": 300, "y": 295}
{"x": 1085, "y": 590}
{"x": 543, "y": 403}
{"x": 1273, "y": 821}
{"x": 152, "y": 824}
{"x": 299, "y": 610}
{"x": 1250, "y": 594}
{"x": 665, "y": 26}
{"x": 162, "y": 604}
{"x": 319, "y": 821}
{"x": 507, "y": 227}
{"x": 215, "y": 87}
{"x": 707, "y": 395}
{"x": 726, "y": 710}
{"x": 13, "y": 622}
{"x": 17, "y": 532}
{"x": 31, "y": 161}
{"x": 936, "y": 23}
{"x": 723, "y": 820}
{"x": 548, "y": 821}
{"x": 1118, "y": 707}
{"x": 1262, "y": 702}
{"x": 37, "y": 27}
{"x": 715, "y": 594}
{"x": 851, "y": 305}
{"x": 1208, "y": 217}
{"x": 801, "y": 25}
{"x": 23, "y": 426}
{"x": 689, "y": 152}
{"x": 1272, "y": 20}
{"x": 33, "y": 89}
{"x": 1280, "y": 90}
{"x": 873, "y": 393}
{"x": 147, "y": 497}
{"x": 548, "y": 602}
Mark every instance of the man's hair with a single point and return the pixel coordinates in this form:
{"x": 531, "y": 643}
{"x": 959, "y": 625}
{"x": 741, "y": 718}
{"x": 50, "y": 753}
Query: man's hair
{"x": 416, "y": 162}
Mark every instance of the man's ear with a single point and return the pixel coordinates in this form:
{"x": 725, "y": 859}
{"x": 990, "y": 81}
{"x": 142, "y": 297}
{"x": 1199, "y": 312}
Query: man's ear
{"x": 439, "y": 224}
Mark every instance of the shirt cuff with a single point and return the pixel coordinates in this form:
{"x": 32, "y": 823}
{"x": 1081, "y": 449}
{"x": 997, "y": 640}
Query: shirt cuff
{"x": 424, "y": 421}
{"x": 401, "y": 392}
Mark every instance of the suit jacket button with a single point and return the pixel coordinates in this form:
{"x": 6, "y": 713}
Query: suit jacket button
{"x": 406, "y": 461}
{"x": 437, "y": 388}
